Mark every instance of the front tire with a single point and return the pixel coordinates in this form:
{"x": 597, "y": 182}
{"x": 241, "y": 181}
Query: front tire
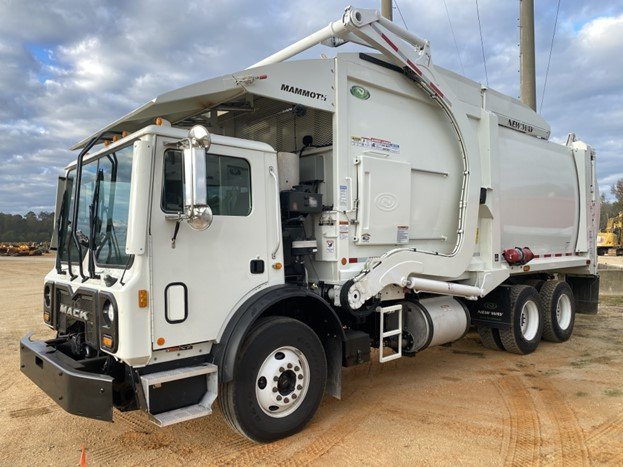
{"x": 279, "y": 380}
{"x": 559, "y": 311}
{"x": 526, "y": 328}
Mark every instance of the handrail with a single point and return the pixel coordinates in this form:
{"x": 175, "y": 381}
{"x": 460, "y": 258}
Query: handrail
{"x": 277, "y": 208}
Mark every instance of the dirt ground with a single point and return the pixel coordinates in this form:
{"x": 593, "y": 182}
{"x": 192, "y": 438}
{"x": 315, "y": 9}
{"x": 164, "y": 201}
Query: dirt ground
{"x": 562, "y": 405}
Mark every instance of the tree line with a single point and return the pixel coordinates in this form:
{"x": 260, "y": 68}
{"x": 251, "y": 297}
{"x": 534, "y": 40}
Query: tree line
{"x": 611, "y": 208}
{"x": 30, "y": 227}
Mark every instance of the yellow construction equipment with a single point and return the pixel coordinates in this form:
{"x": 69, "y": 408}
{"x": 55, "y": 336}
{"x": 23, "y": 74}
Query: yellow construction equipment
{"x": 610, "y": 240}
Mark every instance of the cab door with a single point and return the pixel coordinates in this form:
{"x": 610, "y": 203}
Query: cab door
{"x": 199, "y": 278}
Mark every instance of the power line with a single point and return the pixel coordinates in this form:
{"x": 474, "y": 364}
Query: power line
{"x": 549, "y": 59}
{"x": 456, "y": 45}
{"x": 400, "y": 13}
{"x": 482, "y": 44}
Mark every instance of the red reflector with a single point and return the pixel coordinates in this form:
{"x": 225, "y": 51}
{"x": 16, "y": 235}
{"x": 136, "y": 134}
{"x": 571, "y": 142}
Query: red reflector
{"x": 436, "y": 89}
{"x": 416, "y": 69}
{"x": 547, "y": 255}
{"x": 558, "y": 254}
{"x": 262, "y": 77}
{"x": 392, "y": 45}
{"x": 568, "y": 254}
{"x": 352, "y": 260}
{"x": 537, "y": 256}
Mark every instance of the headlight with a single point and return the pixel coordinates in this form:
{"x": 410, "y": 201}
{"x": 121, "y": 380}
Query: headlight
{"x": 108, "y": 313}
{"x": 47, "y": 295}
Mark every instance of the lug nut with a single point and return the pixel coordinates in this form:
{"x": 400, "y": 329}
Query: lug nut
{"x": 275, "y": 378}
{"x": 299, "y": 387}
{"x": 300, "y": 376}
{"x": 282, "y": 369}
{"x": 278, "y": 398}
{"x": 286, "y": 400}
{"x": 296, "y": 368}
{"x": 275, "y": 389}
{"x": 293, "y": 396}
{"x": 289, "y": 365}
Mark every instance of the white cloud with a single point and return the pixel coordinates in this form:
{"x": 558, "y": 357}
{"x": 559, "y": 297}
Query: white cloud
{"x": 69, "y": 67}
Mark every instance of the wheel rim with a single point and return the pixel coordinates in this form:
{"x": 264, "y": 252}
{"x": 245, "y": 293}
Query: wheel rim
{"x": 282, "y": 381}
{"x": 529, "y": 320}
{"x": 563, "y": 311}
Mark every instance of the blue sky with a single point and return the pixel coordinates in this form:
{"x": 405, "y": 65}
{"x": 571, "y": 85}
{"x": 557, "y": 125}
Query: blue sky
{"x": 71, "y": 67}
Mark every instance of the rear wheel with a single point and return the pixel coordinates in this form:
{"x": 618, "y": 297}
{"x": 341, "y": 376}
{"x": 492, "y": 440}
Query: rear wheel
{"x": 279, "y": 380}
{"x": 526, "y": 328}
{"x": 558, "y": 310}
{"x": 490, "y": 338}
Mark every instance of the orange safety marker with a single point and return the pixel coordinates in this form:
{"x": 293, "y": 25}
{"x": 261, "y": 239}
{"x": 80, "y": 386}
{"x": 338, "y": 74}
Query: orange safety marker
{"x": 83, "y": 457}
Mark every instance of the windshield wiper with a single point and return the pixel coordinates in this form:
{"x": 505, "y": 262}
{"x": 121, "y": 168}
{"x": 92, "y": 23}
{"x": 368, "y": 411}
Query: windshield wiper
{"x": 93, "y": 221}
{"x": 74, "y": 217}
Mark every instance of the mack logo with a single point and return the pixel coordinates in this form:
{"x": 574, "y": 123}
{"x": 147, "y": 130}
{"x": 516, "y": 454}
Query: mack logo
{"x": 303, "y": 92}
{"x": 71, "y": 311}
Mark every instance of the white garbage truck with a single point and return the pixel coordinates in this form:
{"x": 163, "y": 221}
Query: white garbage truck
{"x": 247, "y": 236}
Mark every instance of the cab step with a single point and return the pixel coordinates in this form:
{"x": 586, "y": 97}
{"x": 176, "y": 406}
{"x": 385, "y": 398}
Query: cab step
{"x": 182, "y": 394}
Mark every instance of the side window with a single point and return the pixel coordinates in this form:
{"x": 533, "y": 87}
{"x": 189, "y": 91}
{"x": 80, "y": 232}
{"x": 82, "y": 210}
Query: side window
{"x": 228, "y": 184}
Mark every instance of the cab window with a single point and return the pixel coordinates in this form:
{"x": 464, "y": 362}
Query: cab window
{"x": 228, "y": 184}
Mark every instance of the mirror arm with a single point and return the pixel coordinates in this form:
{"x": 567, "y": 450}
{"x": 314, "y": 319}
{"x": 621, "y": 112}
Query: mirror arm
{"x": 176, "y": 231}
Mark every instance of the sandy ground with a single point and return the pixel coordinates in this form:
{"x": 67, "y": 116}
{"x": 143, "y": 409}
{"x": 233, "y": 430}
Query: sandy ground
{"x": 562, "y": 405}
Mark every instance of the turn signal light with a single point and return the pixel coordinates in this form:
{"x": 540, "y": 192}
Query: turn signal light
{"x": 143, "y": 298}
{"x": 277, "y": 266}
{"x": 107, "y": 341}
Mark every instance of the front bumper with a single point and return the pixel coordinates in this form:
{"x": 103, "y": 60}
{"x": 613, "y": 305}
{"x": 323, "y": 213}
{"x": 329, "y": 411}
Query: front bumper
{"x": 63, "y": 379}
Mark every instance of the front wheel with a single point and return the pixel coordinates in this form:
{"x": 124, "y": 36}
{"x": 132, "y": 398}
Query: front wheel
{"x": 279, "y": 380}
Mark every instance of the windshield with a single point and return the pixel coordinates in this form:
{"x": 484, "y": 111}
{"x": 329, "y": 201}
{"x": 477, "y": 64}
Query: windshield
{"x": 105, "y": 186}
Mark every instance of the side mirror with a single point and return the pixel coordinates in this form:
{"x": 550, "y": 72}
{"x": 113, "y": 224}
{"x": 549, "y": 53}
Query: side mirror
{"x": 197, "y": 212}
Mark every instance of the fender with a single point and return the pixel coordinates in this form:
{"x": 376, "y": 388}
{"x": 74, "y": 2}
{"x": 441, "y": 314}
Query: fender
{"x": 251, "y": 310}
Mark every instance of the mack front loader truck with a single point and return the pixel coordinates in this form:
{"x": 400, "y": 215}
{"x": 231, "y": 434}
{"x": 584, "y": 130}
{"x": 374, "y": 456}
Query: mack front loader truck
{"x": 248, "y": 236}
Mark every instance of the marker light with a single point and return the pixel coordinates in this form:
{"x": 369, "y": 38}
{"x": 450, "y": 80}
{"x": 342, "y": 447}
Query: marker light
{"x": 143, "y": 298}
{"x": 107, "y": 341}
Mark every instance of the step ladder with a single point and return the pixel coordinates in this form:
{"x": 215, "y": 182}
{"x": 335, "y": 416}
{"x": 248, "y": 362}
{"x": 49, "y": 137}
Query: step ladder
{"x": 392, "y": 332}
{"x": 201, "y": 409}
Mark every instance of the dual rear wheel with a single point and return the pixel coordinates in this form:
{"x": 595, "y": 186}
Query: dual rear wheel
{"x": 548, "y": 314}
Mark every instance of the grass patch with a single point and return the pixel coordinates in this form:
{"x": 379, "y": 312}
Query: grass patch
{"x": 613, "y": 392}
{"x": 581, "y": 394}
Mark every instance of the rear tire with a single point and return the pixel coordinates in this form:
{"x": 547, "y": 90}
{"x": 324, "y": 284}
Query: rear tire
{"x": 526, "y": 328}
{"x": 558, "y": 311}
{"x": 490, "y": 338}
{"x": 279, "y": 380}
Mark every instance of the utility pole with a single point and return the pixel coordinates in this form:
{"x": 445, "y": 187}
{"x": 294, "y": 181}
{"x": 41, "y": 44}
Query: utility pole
{"x": 526, "y": 53}
{"x": 386, "y": 9}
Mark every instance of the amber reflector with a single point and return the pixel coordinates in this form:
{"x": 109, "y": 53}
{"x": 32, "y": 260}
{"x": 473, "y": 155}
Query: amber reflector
{"x": 143, "y": 298}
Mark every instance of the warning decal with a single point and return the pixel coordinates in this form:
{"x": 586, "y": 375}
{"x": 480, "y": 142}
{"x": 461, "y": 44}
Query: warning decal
{"x": 374, "y": 143}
